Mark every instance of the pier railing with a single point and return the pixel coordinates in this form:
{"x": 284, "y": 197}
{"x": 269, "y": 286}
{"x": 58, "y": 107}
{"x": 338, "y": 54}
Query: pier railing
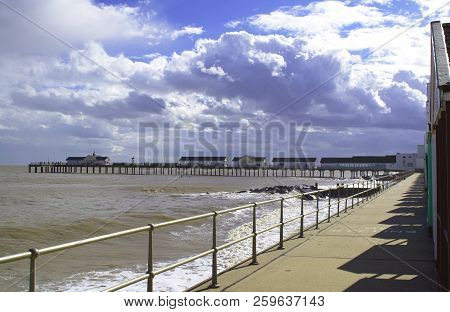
{"x": 203, "y": 170}
{"x": 343, "y": 203}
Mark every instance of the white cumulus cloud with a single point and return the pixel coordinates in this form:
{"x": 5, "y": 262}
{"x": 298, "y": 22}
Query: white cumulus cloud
{"x": 186, "y": 31}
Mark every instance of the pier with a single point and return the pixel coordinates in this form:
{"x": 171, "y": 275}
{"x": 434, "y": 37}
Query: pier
{"x": 382, "y": 246}
{"x": 176, "y": 170}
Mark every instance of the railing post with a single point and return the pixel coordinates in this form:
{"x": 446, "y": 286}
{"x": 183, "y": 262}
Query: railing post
{"x": 254, "y": 258}
{"x": 317, "y": 211}
{"x": 339, "y": 198}
{"x": 357, "y": 197}
{"x": 150, "y": 273}
{"x": 353, "y": 193}
{"x": 214, "y": 283}
{"x": 346, "y": 197}
{"x": 329, "y": 204}
{"x": 363, "y": 195}
{"x": 368, "y": 190}
{"x": 365, "y": 187}
{"x": 34, "y": 255}
{"x": 302, "y": 217}
{"x": 280, "y": 246}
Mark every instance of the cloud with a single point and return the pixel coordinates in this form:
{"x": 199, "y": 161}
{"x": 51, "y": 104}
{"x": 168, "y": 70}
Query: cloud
{"x": 213, "y": 70}
{"x": 74, "y": 22}
{"x": 433, "y": 8}
{"x": 380, "y": 2}
{"x": 117, "y": 149}
{"x": 226, "y": 79}
{"x": 321, "y": 17}
{"x": 232, "y": 24}
{"x": 272, "y": 71}
{"x": 186, "y": 31}
{"x": 130, "y": 107}
{"x": 304, "y": 64}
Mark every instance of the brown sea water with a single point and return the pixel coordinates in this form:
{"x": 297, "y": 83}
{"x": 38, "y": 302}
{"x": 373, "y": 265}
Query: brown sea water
{"x": 41, "y": 210}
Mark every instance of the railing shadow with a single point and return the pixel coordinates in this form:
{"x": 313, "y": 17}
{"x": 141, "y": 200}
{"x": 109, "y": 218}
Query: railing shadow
{"x": 405, "y": 261}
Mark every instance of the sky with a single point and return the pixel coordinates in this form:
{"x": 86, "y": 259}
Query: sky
{"x": 160, "y": 79}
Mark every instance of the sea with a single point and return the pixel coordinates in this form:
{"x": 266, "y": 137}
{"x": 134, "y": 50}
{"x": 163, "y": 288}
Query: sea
{"x": 39, "y": 210}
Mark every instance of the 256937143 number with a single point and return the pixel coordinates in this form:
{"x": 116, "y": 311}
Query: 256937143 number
{"x": 288, "y": 301}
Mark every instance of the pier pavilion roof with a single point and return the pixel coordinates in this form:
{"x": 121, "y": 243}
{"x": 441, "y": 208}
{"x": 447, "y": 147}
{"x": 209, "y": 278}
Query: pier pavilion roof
{"x": 75, "y": 158}
{"x": 293, "y": 159}
{"x": 203, "y": 158}
{"x": 252, "y": 158}
{"x": 375, "y": 159}
{"x": 360, "y": 159}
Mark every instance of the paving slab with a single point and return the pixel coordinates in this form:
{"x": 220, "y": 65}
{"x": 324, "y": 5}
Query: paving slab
{"x": 331, "y": 274}
{"x": 365, "y": 247}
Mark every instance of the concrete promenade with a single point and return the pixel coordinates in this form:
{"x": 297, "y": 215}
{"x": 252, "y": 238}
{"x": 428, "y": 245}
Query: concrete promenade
{"x": 383, "y": 245}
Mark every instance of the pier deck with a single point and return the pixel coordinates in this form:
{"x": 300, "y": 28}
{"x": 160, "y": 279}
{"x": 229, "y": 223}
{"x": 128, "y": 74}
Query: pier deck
{"x": 173, "y": 169}
{"x": 383, "y": 245}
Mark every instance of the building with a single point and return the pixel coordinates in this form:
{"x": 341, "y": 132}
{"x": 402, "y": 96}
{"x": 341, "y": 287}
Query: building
{"x": 249, "y": 162}
{"x": 438, "y": 148}
{"x": 405, "y": 162}
{"x": 89, "y": 160}
{"x": 420, "y": 160}
{"x": 359, "y": 162}
{"x": 74, "y": 161}
{"x": 294, "y": 163}
{"x": 203, "y": 161}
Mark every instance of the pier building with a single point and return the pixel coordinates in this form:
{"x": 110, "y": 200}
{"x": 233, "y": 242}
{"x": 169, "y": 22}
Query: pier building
{"x": 360, "y": 162}
{"x": 203, "y": 161}
{"x": 406, "y": 161}
{"x": 294, "y": 163}
{"x": 249, "y": 162}
{"x": 89, "y": 160}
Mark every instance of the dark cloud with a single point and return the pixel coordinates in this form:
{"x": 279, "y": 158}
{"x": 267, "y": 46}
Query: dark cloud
{"x": 133, "y": 106}
{"x": 411, "y": 79}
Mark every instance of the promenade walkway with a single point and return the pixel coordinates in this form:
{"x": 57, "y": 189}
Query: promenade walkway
{"x": 383, "y": 245}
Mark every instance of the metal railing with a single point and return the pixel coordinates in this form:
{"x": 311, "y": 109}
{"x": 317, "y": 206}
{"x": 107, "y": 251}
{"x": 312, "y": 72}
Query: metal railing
{"x": 371, "y": 188}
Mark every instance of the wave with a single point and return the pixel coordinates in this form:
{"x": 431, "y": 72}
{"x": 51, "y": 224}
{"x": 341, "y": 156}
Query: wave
{"x": 192, "y": 273}
{"x": 15, "y": 239}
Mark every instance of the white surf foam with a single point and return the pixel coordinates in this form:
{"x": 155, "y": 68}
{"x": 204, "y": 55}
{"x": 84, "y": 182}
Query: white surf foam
{"x": 188, "y": 275}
